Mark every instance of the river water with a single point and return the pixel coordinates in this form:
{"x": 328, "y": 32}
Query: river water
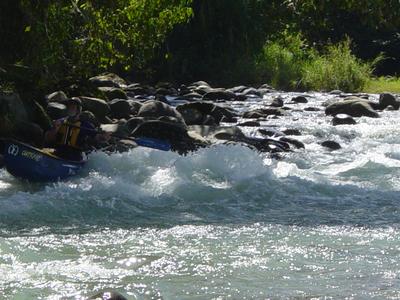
{"x": 222, "y": 223}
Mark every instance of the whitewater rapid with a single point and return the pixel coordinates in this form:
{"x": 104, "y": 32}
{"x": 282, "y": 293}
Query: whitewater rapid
{"x": 223, "y": 222}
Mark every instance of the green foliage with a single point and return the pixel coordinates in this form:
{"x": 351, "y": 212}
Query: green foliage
{"x": 338, "y": 68}
{"x": 281, "y": 61}
{"x": 75, "y": 39}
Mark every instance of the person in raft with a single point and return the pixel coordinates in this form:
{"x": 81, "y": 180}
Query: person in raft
{"x": 70, "y": 136}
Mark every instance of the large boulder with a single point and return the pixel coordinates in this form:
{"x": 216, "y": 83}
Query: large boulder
{"x": 156, "y": 109}
{"x": 174, "y": 134}
{"x": 263, "y": 113}
{"x": 198, "y": 113}
{"x": 120, "y": 108}
{"x": 387, "y": 99}
{"x": 98, "y": 107}
{"x": 56, "y": 110}
{"x": 58, "y": 96}
{"x": 108, "y": 79}
{"x": 113, "y": 93}
{"x": 355, "y": 107}
{"x": 219, "y": 94}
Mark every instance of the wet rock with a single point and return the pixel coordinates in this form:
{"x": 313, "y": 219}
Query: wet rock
{"x": 156, "y": 109}
{"x": 89, "y": 117}
{"x": 56, "y": 110}
{"x": 311, "y": 109}
{"x": 199, "y": 113}
{"x": 299, "y": 99}
{"x": 108, "y": 80}
{"x": 263, "y": 112}
{"x": 134, "y": 106}
{"x": 219, "y": 95}
{"x": 336, "y": 92}
{"x": 291, "y": 132}
{"x": 58, "y": 96}
{"x": 332, "y": 145}
{"x": 277, "y": 102}
{"x": 138, "y": 89}
{"x": 113, "y": 93}
{"x": 343, "y": 119}
{"x": 249, "y": 124}
{"x": 98, "y": 107}
{"x": 175, "y": 134}
{"x": 120, "y": 108}
{"x": 355, "y": 107}
{"x": 226, "y": 119}
{"x": 237, "y": 89}
{"x": 294, "y": 142}
{"x": 387, "y": 99}
{"x": 252, "y": 92}
{"x": 108, "y": 295}
{"x": 134, "y": 122}
{"x": 270, "y": 132}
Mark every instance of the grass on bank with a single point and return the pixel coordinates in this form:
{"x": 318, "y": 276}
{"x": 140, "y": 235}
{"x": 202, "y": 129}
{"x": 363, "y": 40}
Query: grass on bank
{"x": 290, "y": 64}
{"x": 382, "y": 85}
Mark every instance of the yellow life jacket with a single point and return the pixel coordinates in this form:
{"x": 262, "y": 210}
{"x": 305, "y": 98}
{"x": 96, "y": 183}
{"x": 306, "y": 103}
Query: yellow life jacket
{"x": 68, "y": 135}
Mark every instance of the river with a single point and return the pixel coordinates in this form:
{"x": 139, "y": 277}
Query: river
{"x": 225, "y": 222}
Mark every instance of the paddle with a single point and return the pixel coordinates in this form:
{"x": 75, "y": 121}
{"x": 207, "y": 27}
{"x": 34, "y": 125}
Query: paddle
{"x": 140, "y": 141}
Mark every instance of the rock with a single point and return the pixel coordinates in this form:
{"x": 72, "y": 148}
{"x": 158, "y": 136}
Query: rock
{"x": 108, "y": 295}
{"x": 58, "y": 96}
{"x": 355, "y": 107}
{"x": 219, "y": 95}
{"x": 12, "y": 106}
{"x": 311, "y": 109}
{"x": 291, "y": 141}
{"x": 386, "y": 100}
{"x": 343, "y": 119}
{"x": 98, "y": 107}
{"x": 108, "y": 80}
{"x": 270, "y": 132}
{"x": 299, "y": 99}
{"x": 197, "y": 84}
{"x": 216, "y": 132}
{"x": 252, "y": 92}
{"x": 237, "y": 89}
{"x": 56, "y": 110}
{"x": 291, "y": 132}
{"x": 134, "y": 122}
{"x": 138, "y": 89}
{"x": 89, "y": 117}
{"x": 336, "y": 92}
{"x": 249, "y": 124}
{"x": 120, "y": 108}
{"x": 226, "y": 119}
{"x": 175, "y": 134}
{"x": 135, "y": 106}
{"x": 277, "y": 102}
{"x": 263, "y": 112}
{"x": 156, "y": 109}
{"x": 113, "y": 93}
{"x": 331, "y": 145}
{"x": 196, "y": 113}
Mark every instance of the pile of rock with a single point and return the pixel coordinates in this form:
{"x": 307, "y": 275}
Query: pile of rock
{"x": 201, "y": 115}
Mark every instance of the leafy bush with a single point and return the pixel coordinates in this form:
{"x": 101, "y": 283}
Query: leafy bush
{"x": 281, "y": 61}
{"x": 337, "y": 68}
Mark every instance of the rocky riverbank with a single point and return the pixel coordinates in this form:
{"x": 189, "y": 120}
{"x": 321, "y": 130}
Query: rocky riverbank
{"x": 192, "y": 116}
